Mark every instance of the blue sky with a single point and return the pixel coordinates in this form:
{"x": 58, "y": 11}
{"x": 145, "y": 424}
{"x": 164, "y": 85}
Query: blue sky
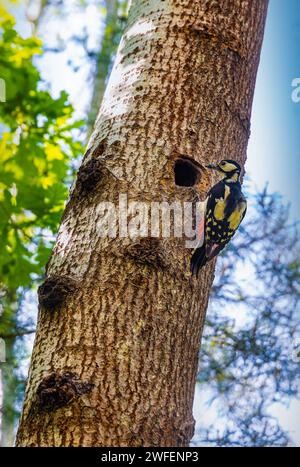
{"x": 274, "y": 146}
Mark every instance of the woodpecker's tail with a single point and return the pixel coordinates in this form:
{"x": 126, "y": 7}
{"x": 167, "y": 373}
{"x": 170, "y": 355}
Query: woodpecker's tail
{"x": 198, "y": 260}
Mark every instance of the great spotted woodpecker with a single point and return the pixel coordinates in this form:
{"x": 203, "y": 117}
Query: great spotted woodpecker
{"x": 224, "y": 210}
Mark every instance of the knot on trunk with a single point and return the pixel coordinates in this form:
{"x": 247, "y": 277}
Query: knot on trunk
{"x": 58, "y": 390}
{"x": 54, "y": 290}
{"x": 93, "y": 169}
{"x": 89, "y": 176}
{"x": 148, "y": 251}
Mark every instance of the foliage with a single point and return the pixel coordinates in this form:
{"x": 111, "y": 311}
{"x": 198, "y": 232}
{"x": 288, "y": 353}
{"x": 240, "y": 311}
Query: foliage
{"x": 246, "y": 360}
{"x": 37, "y": 143}
{"x": 35, "y": 148}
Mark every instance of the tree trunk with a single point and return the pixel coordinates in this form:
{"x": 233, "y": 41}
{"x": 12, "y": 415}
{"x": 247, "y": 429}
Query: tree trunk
{"x": 120, "y": 320}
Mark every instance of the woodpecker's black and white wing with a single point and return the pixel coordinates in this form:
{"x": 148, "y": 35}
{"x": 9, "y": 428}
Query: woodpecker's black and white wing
{"x": 225, "y": 209}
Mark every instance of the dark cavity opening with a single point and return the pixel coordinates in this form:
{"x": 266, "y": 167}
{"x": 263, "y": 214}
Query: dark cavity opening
{"x": 187, "y": 171}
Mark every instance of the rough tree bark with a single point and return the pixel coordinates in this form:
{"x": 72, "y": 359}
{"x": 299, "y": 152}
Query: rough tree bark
{"x": 116, "y": 352}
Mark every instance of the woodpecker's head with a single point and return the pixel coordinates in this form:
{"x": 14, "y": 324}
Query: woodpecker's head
{"x": 229, "y": 168}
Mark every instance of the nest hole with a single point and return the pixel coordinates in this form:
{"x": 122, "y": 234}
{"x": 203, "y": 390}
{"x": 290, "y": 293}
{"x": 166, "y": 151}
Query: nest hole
{"x": 187, "y": 171}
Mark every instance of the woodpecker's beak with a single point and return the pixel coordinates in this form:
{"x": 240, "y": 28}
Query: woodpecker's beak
{"x": 212, "y": 166}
